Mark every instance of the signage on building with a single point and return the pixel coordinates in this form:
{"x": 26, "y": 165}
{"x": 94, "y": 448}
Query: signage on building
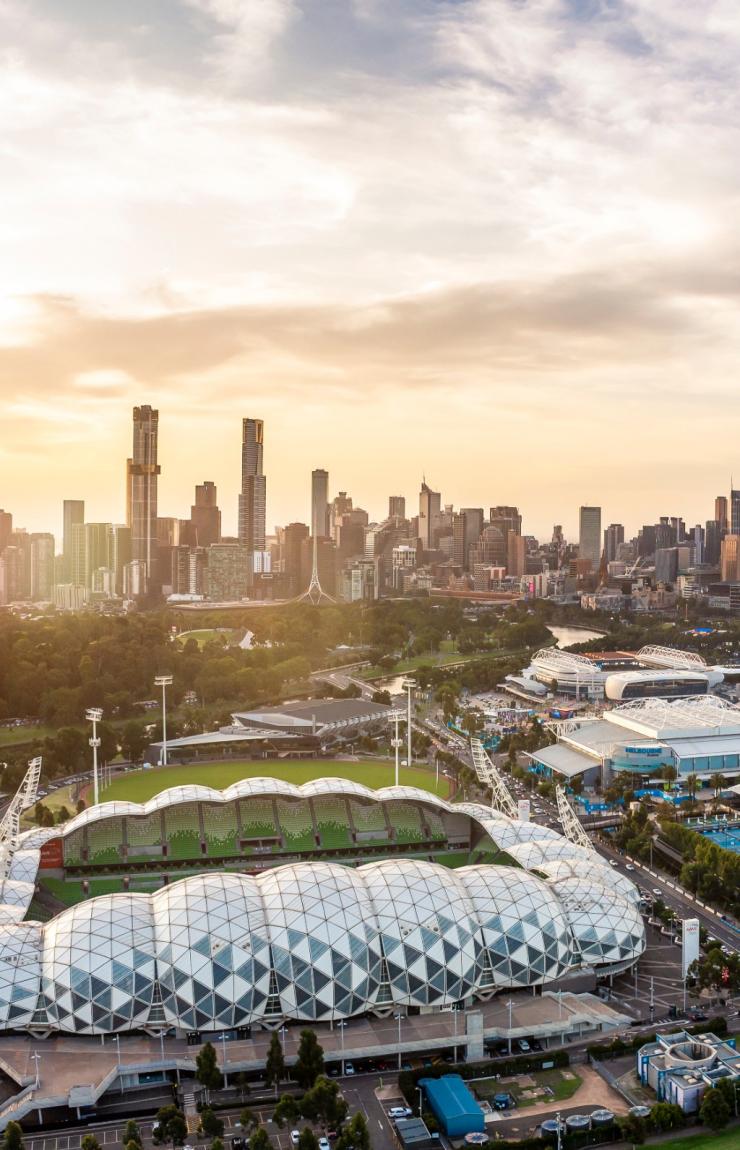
{"x": 689, "y": 943}
{"x": 523, "y": 807}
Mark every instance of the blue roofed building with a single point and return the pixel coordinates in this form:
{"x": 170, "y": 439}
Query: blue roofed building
{"x": 453, "y": 1105}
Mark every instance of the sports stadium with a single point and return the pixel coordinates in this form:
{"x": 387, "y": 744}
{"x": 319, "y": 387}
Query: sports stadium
{"x": 206, "y": 910}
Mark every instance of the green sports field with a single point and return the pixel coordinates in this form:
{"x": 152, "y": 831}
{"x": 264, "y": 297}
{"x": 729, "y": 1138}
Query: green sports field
{"x": 139, "y": 786}
{"x": 727, "y": 1140}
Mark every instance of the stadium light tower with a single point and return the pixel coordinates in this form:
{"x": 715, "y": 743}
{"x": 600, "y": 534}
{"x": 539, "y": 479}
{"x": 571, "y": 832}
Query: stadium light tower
{"x": 164, "y": 681}
{"x": 408, "y": 686}
{"x": 396, "y": 742}
{"x": 94, "y": 715}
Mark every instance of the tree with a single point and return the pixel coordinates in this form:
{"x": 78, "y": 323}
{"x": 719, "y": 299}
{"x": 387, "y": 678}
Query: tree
{"x": 286, "y": 1111}
{"x": 13, "y": 1137}
{"x": 134, "y": 740}
{"x": 260, "y": 1140}
{"x": 324, "y": 1103}
{"x": 274, "y": 1063}
{"x": 171, "y": 1126}
{"x": 89, "y": 1142}
{"x": 633, "y": 1129}
{"x": 217, "y": 1144}
{"x": 308, "y": 1140}
{"x": 248, "y": 1119}
{"x": 310, "y": 1061}
{"x": 211, "y": 1125}
{"x": 355, "y": 1134}
{"x": 714, "y": 1111}
{"x": 666, "y": 1116}
{"x": 131, "y": 1132}
{"x": 132, "y": 1145}
{"x": 206, "y": 1068}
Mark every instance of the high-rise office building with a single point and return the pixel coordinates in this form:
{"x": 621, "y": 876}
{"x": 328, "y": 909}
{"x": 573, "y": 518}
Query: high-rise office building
{"x": 205, "y": 516}
{"x": 712, "y": 541}
{"x": 589, "y": 535}
{"x": 430, "y": 509}
{"x": 143, "y": 471}
{"x": 294, "y": 552}
{"x": 506, "y": 519}
{"x": 720, "y": 512}
{"x": 730, "y": 559}
{"x": 229, "y": 572}
{"x": 666, "y": 564}
{"x": 734, "y": 513}
{"x": 6, "y": 528}
{"x": 73, "y": 511}
{"x": 396, "y": 507}
{"x": 42, "y": 566}
{"x": 253, "y": 497}
{"x": 516, "y": 555}
{"x": 320, "y": 504}
{"x": 613, "y": 536}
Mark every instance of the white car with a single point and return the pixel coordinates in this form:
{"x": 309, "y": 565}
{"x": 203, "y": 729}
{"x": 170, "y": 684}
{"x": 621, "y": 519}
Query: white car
{"x": 323, "y": 1143}
{"x": 295, "y": 1136}
{"x": 349, "y": 1069}
{"x": 628, "y": 866}
{"x": 400, "y": 1112}
{"x": 613, "y": 862}
{"x": 657, "y": 892}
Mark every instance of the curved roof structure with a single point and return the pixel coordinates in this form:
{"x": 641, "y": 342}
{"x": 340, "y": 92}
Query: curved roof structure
{"x": 620, "y": 684}
{"x": 310, "y": 941}
{"x": 669, "y": 657}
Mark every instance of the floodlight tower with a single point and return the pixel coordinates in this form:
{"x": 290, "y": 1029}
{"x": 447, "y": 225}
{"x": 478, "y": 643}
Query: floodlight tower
{"x": 408, "y": 685}
{"x": 396, "y": 742}
{"x": 94, "y": 715}
{"x": 164, "y": 681}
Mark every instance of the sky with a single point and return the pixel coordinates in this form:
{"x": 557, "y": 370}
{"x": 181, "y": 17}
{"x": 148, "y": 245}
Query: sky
{"x": 494, "y": 242}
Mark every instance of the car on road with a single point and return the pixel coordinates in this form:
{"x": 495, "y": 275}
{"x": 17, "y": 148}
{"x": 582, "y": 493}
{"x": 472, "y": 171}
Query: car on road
{"x": 629, "y": 866}
{"x": 400, "y": 1112}
{"x": 613, "y": 862}
{"x": 657, "y": 892}
{"x": 323, "y": 1143}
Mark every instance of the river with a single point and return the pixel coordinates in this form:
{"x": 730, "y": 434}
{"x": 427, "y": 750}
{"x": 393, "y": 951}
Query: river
{"x": 569, "y": 636}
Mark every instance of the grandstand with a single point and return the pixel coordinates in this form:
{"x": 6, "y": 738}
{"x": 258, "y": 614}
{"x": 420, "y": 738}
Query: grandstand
{"x": 253, "y": 825}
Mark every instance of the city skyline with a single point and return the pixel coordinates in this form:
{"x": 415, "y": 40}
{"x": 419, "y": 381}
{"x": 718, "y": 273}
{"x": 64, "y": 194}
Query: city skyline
{"x": 511, "y": 227}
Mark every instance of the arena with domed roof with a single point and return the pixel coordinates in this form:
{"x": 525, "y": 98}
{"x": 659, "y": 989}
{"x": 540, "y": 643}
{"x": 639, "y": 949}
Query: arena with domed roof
{"x": 208, "y": 910}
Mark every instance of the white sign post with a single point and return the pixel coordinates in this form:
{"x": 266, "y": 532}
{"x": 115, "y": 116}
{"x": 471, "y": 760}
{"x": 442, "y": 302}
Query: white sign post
{"x": 689, "y": 943}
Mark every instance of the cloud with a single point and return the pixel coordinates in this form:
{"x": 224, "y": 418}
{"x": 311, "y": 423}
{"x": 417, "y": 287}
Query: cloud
{"x": 248, "y": 29}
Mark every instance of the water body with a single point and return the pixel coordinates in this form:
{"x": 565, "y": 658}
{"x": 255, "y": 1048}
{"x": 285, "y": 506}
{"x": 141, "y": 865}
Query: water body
{"x": 569, "y": 636}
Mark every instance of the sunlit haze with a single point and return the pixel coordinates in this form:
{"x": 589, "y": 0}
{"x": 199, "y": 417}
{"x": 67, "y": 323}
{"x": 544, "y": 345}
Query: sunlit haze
{"x": 491, "y": 242}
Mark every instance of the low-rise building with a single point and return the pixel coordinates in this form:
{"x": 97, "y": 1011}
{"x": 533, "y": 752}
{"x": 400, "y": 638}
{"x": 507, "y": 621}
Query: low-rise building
{"x": 681, "y": 1067}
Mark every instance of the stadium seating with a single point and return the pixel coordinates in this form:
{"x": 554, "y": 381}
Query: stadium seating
{"x": 74, "y": 845}
{"x": 182, "y": 831}
{"x": 368, "y": 818}
{"x": 296, "y": 825}
{"x": 406, "y": 822}
{"x": 143, "y": 832}
{"x": 434, "y": 825}
{"x": 104, "y": 841}
{"x": 330, "y": 813}
{"x": 257, "y": 819}
{"x": 221, "y": 831}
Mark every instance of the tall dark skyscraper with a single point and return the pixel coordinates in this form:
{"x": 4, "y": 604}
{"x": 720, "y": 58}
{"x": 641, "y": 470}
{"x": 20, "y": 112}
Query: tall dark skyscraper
{"x": 320, "y": 504}
{"x": 734, "y": 524}
{"x": 205, "y": 516}
{"x": 253, "y": 497}
{"x": 141, "y": 502}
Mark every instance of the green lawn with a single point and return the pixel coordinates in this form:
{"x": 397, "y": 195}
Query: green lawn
{"x": 559, "y": 1086}
{"x": 727, "y": 1140}
{"x": 207, "y": 635}
{"x": 12, "y": 736}
{"x": 142, "y": 785}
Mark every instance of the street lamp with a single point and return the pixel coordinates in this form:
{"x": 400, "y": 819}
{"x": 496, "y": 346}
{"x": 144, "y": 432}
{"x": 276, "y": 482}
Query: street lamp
{"x": 399, "y": 1016}
{"x": 396, "y": 741}
{"x": 223, "y": 1044}
{"x": 164, "y": 681}
{"x": 37, "y": 1058}
{"x": 341, "y": 1024}
{"x": 510, "y": 1005}
{"x": 408, "y": 685}
{"x": 94, "y": 715}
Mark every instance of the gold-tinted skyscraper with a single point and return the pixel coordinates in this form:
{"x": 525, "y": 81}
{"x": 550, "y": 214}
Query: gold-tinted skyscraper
{"x": 142, "y": 472}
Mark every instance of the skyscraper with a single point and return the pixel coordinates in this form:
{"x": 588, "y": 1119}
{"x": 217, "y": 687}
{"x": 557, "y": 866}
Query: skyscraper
{"x": 6, "y": 528}
{"x": 613, "y": 536}
{"x": 320, "y": 504}
{"x": 74, "y": 516}
{"x": 589, "y": 535}
{"x": 720, "y": 512}
{"x": 205, "y": 516}
{"x": 143, "y": 471}
{"x": 396, "y": 507}
{"x": 430, "y": 506}
{"x": 253, "y": 497}
{"x": 734, "y": 523}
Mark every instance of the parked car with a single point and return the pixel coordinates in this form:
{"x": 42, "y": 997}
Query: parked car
{"x": 400, "y": 1112}
{"x": 523, "y": 1045}
{"x": 324, "y": 1143}
{"x": 295, "y": 1136}
{"x": 349, "y": 1069}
